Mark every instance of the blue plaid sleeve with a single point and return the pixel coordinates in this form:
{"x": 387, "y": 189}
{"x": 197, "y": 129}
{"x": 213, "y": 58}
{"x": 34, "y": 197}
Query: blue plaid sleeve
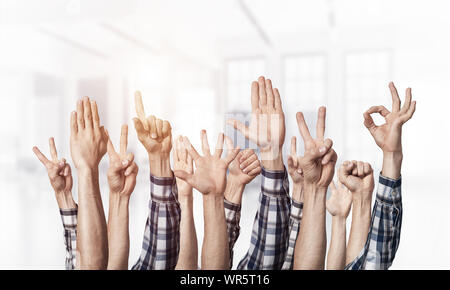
{"x": 271, "y": 227}
{"x": 384, "y": 234}
{"x": 294, "y": 229}
{"x": 161, "y": 243}
{"x": 70, "y": 222}
{"x": 233, "y": 216}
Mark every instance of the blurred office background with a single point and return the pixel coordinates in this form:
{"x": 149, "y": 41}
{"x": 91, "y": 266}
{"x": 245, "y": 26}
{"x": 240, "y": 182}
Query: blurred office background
{"x": 194, "y": 62}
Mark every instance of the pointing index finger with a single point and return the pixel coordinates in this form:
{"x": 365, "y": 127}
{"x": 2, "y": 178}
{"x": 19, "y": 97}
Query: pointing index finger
{"x": 140, "y": 109}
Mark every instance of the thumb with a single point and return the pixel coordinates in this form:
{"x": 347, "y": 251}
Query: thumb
{"x": 238, "y": 125}
{"x": 183, "y": 175}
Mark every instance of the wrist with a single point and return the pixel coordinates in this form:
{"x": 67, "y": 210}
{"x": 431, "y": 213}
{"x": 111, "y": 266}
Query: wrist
{"x": 65, "y": 200}
{"x": 234, "y": 190}
{"x": 392, "y": 163}
{"x": 272, "y": 160}
{"x": 313, "y": 193}
{"x": 160, "y": 165}
{"x": 297, "y": 192}
{"x": 339, "y": 220}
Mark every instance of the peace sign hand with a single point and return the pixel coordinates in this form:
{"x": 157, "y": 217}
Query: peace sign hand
{"x": 319, "y": 160}
{"x": 58, "y": 171}
{"x": 60, "y": 175}
{"x": 122, "y": 170}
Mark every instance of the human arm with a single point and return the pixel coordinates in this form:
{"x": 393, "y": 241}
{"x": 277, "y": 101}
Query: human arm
{"x": 188, "y": 256}
{"x": 317, "y": 166}
{"x": 338, "y": 205}
{"x": 271, "y": 226}
{"x": 60, "y": 176}
{"x": 161, "y": 242}
{"x": 122, "y": 174}
{"x": 209, "y": 178}
{"x": 88, "y": 146}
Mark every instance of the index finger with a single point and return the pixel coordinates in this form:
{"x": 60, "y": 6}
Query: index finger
{"x": 124, "y": 140}
{"x": 53, "y": 153}
{"x": 41, "y": 156}
{"x": 303, "y": 128}
{"x": 140, "y": 109}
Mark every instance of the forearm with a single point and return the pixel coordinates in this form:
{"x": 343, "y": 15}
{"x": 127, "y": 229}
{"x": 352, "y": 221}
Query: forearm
{"x": 234, "y": 190}
{"x": 392, "y": 164}
{"x": 118, "y": 232}
{"x": 297, "y": 192}
{"x": 188, "y": 256}
{"x": 215, "y": 250}
{"x": 160, "y": 165}
{"x": 65, "y": 200}
{"x": 92, "y": 233}
{"x": 361, "y": 215}
{"x": 311, "y": 242}
{"x": 336, "y": 253}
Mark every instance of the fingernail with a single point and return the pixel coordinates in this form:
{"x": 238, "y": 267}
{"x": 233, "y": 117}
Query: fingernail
{"x": 61, "y": 163}
{"x": 322, "y": 149}
{"x": 299, "y": 171}
{"x": 245, "y": 170}
{"x": 125, "y": 162}
{"x": 241, "y": 166}
{"x": 154, "y": 135}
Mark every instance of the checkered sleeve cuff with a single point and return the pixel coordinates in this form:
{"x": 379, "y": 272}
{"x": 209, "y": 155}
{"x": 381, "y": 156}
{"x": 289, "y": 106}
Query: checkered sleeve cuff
{"x": 69, "y": 218}
{"x": 296, "y": 210}
{"x": 389, "y": 190}
{"x": 163, "y": 189}
{"x": 275, "y": 183}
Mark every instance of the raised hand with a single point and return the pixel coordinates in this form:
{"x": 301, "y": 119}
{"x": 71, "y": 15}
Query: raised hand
{"x": 155, "y": 134}
{"x": 267, "y": 126}
{"x": 88, "y": 140}
{"x": 388, "y": 135}
{"x": 182, "y": 161}
{"x": 60, "y": 175}
{"x": 209, "y": 176}
{"x": 245, "y": 167}
{"x": 122, "y": 170}
{"x": 319, "y": 160}
{"x": 340, "y": 201}
{"x": 357, "y": 176}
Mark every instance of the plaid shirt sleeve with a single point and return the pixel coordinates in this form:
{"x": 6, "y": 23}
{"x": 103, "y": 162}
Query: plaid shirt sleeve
{"x": 233, "y": 216}
{"x": 294, "y": 229}
{"x": 70, "y": 222}
{"x": 161, "y": 243}
{"x": 384, "y": 234}
{"x": 271, "y": 227}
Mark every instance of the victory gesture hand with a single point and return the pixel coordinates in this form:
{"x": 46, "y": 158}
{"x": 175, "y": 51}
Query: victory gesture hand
{"x": 122, "y": 170}
{"x": 209, "y": 176}
{"x": 318, "y": 163}
{"x": 340, "y": 201}
{"x": 267, "y": 126}
{"x": 388, "y": 135}
{"x": 58, "y": 171}
{"x": 155, "y": 134}
{"x": 357, "y": 176}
